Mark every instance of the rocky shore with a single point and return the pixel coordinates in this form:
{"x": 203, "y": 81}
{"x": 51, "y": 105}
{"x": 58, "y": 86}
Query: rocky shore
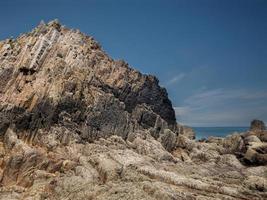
{"x": 76, "y": 124}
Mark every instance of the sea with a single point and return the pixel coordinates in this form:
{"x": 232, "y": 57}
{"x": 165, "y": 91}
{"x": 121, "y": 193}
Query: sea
{"x": 205, "y": 132}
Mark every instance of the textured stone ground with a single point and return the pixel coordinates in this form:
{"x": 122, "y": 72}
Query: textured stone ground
{"x": 138, "y": 168}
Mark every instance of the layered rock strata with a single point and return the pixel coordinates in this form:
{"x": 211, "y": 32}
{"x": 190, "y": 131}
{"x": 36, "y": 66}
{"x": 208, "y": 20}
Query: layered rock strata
{"x": 57, "y": 76}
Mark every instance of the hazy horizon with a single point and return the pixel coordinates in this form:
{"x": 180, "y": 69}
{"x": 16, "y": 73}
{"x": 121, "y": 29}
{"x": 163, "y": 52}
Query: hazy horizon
{"x": 210, "y": 55}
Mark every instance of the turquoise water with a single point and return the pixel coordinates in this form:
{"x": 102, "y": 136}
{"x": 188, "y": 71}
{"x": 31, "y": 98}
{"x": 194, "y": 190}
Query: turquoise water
{"x": 205, "y": 132}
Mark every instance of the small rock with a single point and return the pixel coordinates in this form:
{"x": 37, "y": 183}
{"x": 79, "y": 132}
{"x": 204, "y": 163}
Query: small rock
{"x": 256, "y": 183}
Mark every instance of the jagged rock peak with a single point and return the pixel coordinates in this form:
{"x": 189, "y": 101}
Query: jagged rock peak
{"x": 55, "y": 75}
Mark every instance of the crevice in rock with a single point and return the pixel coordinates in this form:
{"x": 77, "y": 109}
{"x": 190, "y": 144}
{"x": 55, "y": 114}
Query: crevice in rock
{"x": 26, "y": 71}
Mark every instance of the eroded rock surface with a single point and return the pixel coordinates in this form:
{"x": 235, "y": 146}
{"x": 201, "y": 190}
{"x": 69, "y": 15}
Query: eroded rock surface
{"x": 75, "y": 124}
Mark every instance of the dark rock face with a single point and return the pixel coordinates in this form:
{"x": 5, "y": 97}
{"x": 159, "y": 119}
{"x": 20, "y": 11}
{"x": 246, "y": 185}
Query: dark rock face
{"x": 151, "y": 94}
{"x": 257, "y": 125}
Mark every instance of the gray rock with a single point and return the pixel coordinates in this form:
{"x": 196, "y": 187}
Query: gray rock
{"x": 168, "y": 140}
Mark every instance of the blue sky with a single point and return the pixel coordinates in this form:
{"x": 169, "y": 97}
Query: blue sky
{"x": 211, "y": 55}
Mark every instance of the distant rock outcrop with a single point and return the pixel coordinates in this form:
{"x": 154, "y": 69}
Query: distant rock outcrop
{"x": 257, "y": 125}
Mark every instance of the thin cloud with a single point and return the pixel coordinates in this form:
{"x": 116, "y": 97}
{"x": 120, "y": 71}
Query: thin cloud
{"x": 175, "y": 79}
{"x": 222, "y": 96}
{"x": 183, "y": 110}
{"x": 223, "y": 107}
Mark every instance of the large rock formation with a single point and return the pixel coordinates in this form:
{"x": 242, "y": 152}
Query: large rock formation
{"x": 54, "y": 75}
{"x": 75, "y": 124}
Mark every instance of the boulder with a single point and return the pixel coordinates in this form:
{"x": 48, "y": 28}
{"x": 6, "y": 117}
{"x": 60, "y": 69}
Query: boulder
{"x": 187, "y": 132}
{"x": 168, "y": 140}
{"x": 185, "y": 143}
{"x": 251, "y": 139}
{"x": 233, "y": 143}
{"x": 262, "y": 135}
{"x": 257, "y": 125}
{"x": 256, "y": 155}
